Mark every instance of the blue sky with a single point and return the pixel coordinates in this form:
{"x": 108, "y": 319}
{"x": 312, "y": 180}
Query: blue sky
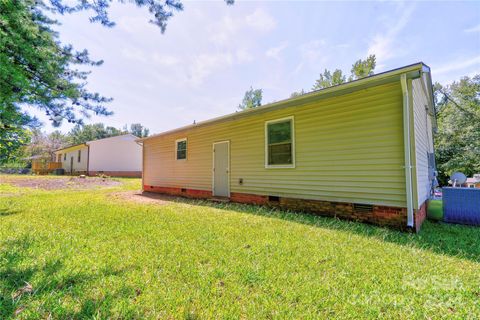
{"x": 212, "y": 53}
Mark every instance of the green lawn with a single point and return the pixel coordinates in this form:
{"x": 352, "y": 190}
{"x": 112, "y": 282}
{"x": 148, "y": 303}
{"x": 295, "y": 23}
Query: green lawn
{"x": 88, "y": 255}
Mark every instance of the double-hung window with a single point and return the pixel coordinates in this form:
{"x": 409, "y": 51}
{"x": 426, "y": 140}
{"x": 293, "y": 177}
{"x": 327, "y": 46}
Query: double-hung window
{"x": 181, "y": 149}
{"x": 280, "y": 143}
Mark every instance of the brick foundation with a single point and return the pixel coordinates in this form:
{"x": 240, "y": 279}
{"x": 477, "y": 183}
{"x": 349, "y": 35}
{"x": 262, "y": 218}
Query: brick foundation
{"x": 127, "y": 174}
{"x": 248, "y": 198}
{"x": 419, "y": 216}
{"x": 190, "y": 193}
{"x": 394, "y": 217}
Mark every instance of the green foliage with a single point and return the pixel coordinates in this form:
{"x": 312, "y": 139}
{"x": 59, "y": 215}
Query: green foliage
{"x": 81, "y": 134}
{"x": 36, "y": 69}
{"x": 13, "y": 132}
{"x": 297, "y": 93}
{"x": 43, "y": 145}
{"x": 252, "y": 99}
{"x": 137, "y": 129}
{"x": 12, "y": 147}
{"x": 457, "y": 142}
{"x": 360, "y": 69}
{"x": 327, "y": 79}
{"x": 92, "y": 254}
{"x": 363, "y": 68}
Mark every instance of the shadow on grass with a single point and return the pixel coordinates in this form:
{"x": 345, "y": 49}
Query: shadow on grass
{"x": 36, "y": 290}
{"x": 453, "y": 240}
{"x": 8, "y": 212}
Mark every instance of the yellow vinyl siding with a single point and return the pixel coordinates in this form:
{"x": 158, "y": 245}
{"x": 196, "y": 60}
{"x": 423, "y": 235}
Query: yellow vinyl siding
{"x": 348, "y": 148}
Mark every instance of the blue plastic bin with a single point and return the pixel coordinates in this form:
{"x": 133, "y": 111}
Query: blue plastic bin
{"x": 461, "y": 205}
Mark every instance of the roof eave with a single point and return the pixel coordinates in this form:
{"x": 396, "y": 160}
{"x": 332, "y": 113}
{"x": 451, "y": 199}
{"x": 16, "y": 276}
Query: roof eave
{"x": 71, "y": 147}
{"x": 412, "y": 71}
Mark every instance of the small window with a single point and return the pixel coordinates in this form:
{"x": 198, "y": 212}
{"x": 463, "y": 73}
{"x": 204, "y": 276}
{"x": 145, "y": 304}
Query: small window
{"x": 59, "y": 158}
{"x": 64, "y": 156}
{"x": 280, "y": 145}
{"x": 79, "y": 155}
{"x": 181, "y": 149}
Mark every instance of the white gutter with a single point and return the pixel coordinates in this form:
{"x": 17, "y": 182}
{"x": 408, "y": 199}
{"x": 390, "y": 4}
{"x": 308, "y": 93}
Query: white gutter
{"x": 408, "y": 158}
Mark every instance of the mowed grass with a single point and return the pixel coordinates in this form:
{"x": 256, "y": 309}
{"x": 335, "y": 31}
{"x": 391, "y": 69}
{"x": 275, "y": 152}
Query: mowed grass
{"x": 86, "y": 254}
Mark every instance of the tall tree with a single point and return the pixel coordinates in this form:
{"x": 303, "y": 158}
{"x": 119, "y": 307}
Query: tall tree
{"x": 363, "y": 68}
{"x": 14, "y": 132}
{"x": 81, "y": 134}
{"x": 360, "y": 69}
{"x": 35, "y": 69}
{"x": 327, "y": 79}
{"x": 11, "y": 141}
{"x": 43, "y": 145}
{"x": 137, "y": 129}
{"x": 457, "y": 142}
{"x": 251, "y": 99}
{"x": 38, "y": 70}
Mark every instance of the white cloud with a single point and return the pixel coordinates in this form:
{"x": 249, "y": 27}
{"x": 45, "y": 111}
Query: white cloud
{"x": 165, "y": 60}
{"x": 135, "y": 25}
{"x": 382, "y": 44}
{"x": 261, "y": 20}
{"x": 473, "y": 29}
{"x": 313, "y": 50}
{"x": 457, "y": 65}
{"x": 194, "y": 69}
{"x": 243, "y": 55}
{"x": 205, "y": 64}
{"x": 227, "y": 29}
{"x": 134, "y": 54}
{"x": 313, "y": 53}
{"x": 224, "y": 30}
{"x": 381, "y": 47}
{"x": 274, "y": 52}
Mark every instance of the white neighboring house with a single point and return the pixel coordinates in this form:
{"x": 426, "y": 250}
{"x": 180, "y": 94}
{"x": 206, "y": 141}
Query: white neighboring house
{"x": 473, "y": 182}
{"x": 118, "y": 156}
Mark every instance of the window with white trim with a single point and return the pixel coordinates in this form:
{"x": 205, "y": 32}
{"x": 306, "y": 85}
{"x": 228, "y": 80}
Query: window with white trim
{"x": 280, "y": 144}
{"x": 181, "y": 149}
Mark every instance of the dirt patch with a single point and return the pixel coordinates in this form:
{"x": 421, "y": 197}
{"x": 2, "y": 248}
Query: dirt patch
{"x": 145, "y": 197}
{"x": 56, "y": 183}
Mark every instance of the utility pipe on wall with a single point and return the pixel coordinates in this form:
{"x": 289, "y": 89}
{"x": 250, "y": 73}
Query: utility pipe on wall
{"x": 408, "y": 158}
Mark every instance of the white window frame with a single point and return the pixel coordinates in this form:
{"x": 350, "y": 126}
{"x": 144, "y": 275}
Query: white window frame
{"x": 280, "y": 166}
{"x": 176, "y": 149}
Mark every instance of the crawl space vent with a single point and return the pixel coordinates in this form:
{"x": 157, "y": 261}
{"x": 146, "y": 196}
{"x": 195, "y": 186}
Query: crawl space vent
{"x": 273, "y": 199}
{"x": 362, "y": 208}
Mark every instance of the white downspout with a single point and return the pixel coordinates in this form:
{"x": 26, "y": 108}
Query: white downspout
{"x": 406, "y": 139}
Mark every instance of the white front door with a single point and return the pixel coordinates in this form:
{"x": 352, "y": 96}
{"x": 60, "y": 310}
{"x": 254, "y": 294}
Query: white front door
{"x": 221, "y": 169}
